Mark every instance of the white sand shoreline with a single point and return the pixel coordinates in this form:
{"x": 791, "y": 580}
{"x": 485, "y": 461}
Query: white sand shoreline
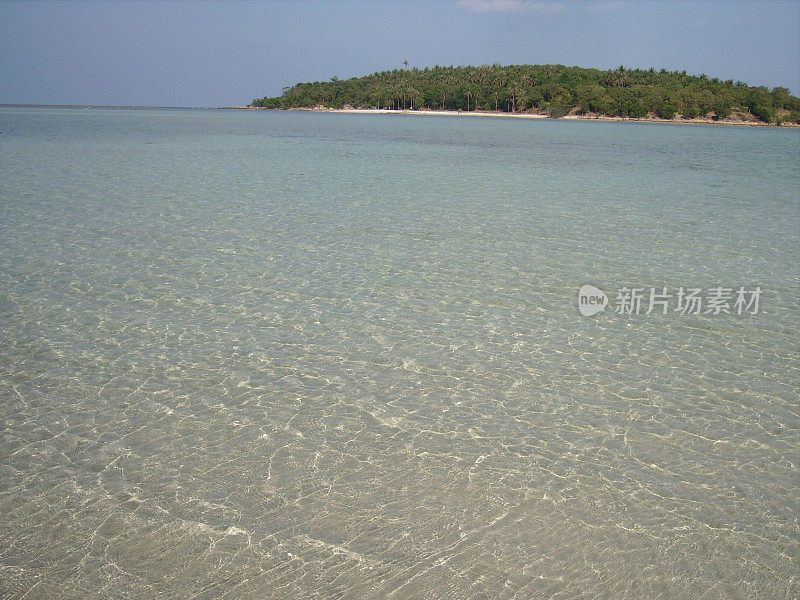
{"x": 434, "y": 113}
{"x": 503, "y": 115}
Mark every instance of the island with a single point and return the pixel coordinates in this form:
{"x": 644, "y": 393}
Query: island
{"x": 554, "y": 91}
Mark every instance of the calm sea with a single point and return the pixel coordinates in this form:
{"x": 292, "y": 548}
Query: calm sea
{"x": 296, "y": 356}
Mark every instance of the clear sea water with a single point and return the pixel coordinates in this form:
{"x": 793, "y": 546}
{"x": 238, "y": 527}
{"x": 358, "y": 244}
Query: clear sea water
{"x": 320, "y": 356}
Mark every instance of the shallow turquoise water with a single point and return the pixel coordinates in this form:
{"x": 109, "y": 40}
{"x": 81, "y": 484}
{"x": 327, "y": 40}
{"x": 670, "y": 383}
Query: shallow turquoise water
{"x": 295, "y": 355}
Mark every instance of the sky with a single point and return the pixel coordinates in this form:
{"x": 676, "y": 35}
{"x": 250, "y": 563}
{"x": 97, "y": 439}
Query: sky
{"x": 216, "y": 53}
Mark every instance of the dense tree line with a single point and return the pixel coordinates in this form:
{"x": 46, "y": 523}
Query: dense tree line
{"x": 552, "y": 89}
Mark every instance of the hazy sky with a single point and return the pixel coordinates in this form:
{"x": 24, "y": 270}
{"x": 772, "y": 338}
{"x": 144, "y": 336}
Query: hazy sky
{"x": 226, "y": 53}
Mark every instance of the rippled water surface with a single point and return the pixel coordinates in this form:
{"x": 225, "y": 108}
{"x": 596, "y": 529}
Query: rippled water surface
{"x": 292, "y": 355}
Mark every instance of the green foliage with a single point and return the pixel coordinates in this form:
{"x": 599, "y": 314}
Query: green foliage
{"x": 542, "y": 88}
{"x": 781, "y": 98}
{"x": 556, "y": 111}
{"x": 666, "y": 111}
{"x": 690, "y": 111}
{"x": 764, "y": 113}
{"x": 722, "y": 110}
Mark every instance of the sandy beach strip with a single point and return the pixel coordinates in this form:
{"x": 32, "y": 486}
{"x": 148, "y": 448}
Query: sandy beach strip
{"x": 504, "y": 115}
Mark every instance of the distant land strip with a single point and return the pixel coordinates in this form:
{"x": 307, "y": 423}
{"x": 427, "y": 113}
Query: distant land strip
{"x": 554, "y": 91}
{"x": 121, "y": 106}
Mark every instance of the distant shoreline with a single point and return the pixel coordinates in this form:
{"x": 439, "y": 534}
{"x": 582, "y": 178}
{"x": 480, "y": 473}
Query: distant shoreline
{"x": 120, "y": 106}
{"x": 735, "y": 121}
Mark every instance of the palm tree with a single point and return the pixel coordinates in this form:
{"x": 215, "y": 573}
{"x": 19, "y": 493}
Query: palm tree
{"x": 513, "y": 90}
{"x": 447, "y": 81}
